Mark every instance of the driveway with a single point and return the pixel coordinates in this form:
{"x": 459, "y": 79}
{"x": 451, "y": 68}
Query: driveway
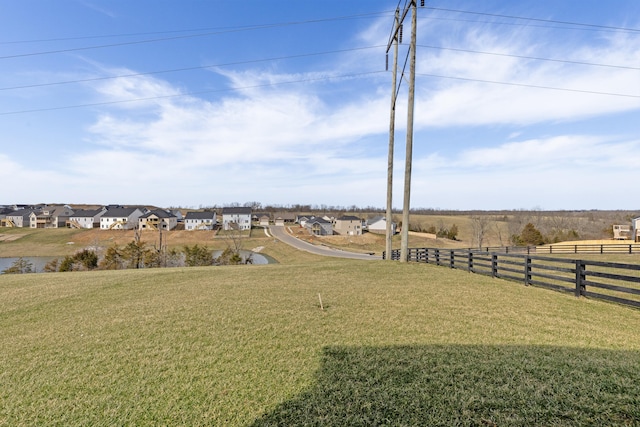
{"x": 280, "y": 233}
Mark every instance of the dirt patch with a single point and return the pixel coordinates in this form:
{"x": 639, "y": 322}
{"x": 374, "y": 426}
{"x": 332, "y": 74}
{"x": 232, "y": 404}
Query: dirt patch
{"x": 10, "y": 237}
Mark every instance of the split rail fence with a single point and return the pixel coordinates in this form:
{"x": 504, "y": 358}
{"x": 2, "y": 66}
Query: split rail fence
{"x": 615, "y": 282}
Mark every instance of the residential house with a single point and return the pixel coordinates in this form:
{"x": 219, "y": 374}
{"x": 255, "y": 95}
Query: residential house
{"x": 119, "y": 218}
{"x": 282, "y": 218}
{"x": 4, "y": 211}
{"x": 238, "y": 218}
{"x": 264, "y": 220}
{"x": 19, "y": 218}
{"x": 635, "y": 225}
{"x": 378, "y": 225}
{"x": 319, "y": 226}
{"x": 302, "y": 220}
{"x": 86, "y": 218}
{"x": 348, "y": 225}
{"x": 157, "y": 219}
{"x": 205, "y": 220}
{"x": 50, "y": 217}
{"x": 177, "y": 213}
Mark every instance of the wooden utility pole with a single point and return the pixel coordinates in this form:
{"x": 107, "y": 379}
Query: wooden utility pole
{"x": 392, "y": 125}
{"x": 404, "y": 246}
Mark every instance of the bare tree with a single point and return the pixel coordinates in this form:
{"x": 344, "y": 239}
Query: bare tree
{"x": 480, "y": 225}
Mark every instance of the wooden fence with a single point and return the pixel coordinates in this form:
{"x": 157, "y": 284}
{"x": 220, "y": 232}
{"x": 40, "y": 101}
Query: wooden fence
{"x": 563, "y": 248}
{"x": 608, "y": 281}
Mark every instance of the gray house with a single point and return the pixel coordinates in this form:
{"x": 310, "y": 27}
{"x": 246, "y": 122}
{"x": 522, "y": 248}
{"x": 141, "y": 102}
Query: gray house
{"x": 319, "y": 226}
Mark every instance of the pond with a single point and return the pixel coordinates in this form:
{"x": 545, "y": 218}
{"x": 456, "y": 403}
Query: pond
{"x": 38, "y": 263}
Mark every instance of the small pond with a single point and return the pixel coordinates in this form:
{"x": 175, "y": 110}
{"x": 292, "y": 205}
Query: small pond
{"x": 38, "y": 263}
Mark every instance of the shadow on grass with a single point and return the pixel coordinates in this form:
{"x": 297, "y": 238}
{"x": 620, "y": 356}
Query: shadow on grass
{"x": 467, "y": 385}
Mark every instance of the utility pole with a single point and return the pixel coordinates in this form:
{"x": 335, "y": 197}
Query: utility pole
{"x": 396, "y": 35}
{"x": 392, "y": 125}
{"x": 404, "y": 246}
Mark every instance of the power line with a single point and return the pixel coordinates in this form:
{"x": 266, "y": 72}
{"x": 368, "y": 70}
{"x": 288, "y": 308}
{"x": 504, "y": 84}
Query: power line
{"x": 536, "y": 58}
{"x": 577, "y": 24}
{"x": 200, "y": 67}
{"x": 592, "y": 92}
{"x": 216, "y": 32}
{"x": 151, "y": 98}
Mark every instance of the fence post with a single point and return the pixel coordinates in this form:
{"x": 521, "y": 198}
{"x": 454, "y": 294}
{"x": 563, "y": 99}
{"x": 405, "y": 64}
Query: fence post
{"x": 437, "y": 254}
{"x": 527, "y": 270}
{"x": 452, "y": 259}
{"x": 470, "y": 262}
{"x": 494, "y": 265}
{"x": 630, "y": 251}
{"x": 601, "y": 248}
{"x": 580, "y": 278}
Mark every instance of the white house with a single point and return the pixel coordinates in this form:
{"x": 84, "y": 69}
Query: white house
{"x": 200, "y": 220}
{"x": 86, "y": 218}
{"x": 117, "y": 218}
{"x": 378, "y": 225}
{"x": 238, "y": 218}
{"x": 635, "y": 225}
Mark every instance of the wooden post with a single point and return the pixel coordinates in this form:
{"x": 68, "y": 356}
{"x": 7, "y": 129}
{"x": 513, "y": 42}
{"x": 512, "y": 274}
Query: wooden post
{"x": 527, "y": 270}
{"x": 494, "y": 265}
{"x": 580, "y": 278}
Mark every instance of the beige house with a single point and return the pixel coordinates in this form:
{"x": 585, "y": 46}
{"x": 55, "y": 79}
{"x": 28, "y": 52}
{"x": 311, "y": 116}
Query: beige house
{"x": 348, "y": 225}
{"x": 158, "y": 219}
{"x": 50, "y": 217}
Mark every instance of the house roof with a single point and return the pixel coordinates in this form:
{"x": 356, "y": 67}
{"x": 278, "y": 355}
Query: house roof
{"x": 86, "y": 213}
{"x": 22, "y": 212}
{"x": 318, "y": 220}
{"x": 200, "y": 215}
{"x": 376, "y": 219}
{"x": 237, "y": 211}
{"x": 119, "y": 212}
{"x": 348, "y": 218}
{"x": 160, "y": 213}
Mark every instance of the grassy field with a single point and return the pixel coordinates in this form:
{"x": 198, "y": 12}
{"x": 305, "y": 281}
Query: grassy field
{"x": 396, "y": 344}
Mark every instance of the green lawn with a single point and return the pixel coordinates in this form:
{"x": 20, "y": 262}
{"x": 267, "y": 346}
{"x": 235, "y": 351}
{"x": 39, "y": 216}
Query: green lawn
{"x": 396, "y": 344}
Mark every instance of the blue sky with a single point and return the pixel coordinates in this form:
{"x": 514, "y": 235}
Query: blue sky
{"x": 199, "y": 103}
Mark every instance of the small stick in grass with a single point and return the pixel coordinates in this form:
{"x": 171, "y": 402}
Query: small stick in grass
{"x": 321, "y": 306}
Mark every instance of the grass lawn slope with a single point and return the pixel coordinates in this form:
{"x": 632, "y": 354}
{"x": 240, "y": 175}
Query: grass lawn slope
{"x": 393, "y": 344}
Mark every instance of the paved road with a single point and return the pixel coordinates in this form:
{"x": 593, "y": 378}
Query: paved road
{"x": 280, "y": 233}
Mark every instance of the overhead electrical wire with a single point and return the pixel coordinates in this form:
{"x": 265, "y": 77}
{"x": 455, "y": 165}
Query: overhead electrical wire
{"x": 186, "y": 36}
{"x": 591, "y": 92}
{"x": 265, "y": 26}
{"x": 199, "y": 67}
{"x": 178, "y": 95}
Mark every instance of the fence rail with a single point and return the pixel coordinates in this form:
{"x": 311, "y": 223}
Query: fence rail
{"x": 599, "y": 248}
{"x": 615, "y": 282}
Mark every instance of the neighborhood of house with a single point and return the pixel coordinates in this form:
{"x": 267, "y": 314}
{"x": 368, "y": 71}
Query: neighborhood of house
{"x": 116, "y": 217}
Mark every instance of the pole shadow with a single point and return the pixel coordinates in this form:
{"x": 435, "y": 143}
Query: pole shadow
{"x": 447, "y": 385}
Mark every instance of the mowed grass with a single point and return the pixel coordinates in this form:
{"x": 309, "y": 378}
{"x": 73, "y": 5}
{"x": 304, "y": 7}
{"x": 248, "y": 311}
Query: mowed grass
{"x": 396, "y": 344}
